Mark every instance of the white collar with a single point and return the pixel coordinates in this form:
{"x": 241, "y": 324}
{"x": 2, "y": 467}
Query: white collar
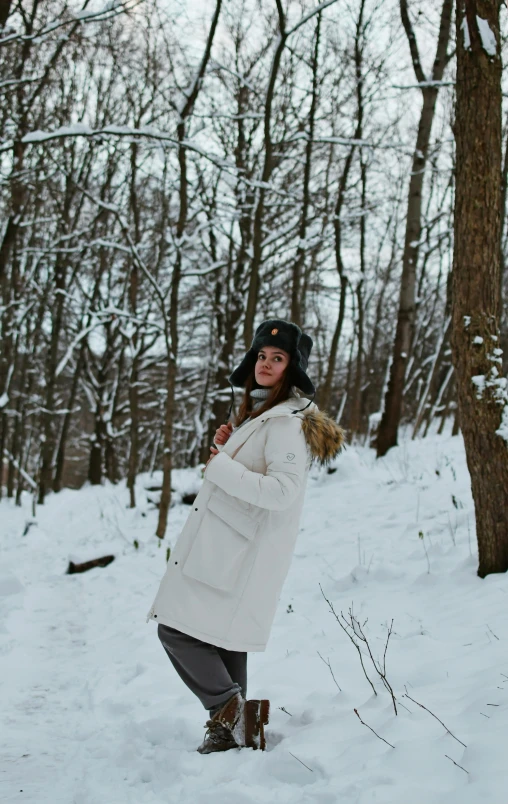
{"x": 289, "y": 407}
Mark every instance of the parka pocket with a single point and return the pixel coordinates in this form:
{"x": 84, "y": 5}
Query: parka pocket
{"x": 220, "y": 553}
{"x": 232, "y": 514}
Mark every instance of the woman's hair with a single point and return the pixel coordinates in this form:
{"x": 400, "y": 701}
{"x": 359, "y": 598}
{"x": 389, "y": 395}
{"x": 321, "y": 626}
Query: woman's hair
{"x": 279, "y": 393}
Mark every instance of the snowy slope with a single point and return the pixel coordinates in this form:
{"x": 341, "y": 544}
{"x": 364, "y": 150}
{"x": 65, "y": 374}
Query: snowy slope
{"x": 92, "y": 710}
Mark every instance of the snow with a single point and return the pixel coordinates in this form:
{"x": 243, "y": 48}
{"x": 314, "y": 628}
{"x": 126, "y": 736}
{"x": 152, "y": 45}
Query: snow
{"x": 487, "y": 36}
{"x": 503, "y": 427}
{"x": 112, "y": 5}
{"x": 479, "y": 381}
{"x": 63, "y": 131}
{"x": 465, "y": 31}
{"x": 93, "y": 711}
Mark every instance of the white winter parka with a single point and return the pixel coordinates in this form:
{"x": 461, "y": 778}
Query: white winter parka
{"x": 226, "y": 571}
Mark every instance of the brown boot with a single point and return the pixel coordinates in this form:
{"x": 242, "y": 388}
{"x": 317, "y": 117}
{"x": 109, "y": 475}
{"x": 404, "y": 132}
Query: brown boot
{"x": 245, "y": 720}
{"x": 238, "y": 724}
{"x": 257, "y": 713}
{"x": 217, "y": 738}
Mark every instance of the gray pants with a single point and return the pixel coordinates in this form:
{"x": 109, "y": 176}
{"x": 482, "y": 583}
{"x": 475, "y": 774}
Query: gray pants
{"x": 213, "y": 674}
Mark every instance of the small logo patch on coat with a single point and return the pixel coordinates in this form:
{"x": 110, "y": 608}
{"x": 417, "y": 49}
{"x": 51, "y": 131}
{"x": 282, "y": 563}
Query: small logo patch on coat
{"x": 290, "y": 456}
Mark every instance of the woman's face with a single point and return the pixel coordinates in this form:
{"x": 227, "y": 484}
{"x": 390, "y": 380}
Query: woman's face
{"x": 270, "y": 365}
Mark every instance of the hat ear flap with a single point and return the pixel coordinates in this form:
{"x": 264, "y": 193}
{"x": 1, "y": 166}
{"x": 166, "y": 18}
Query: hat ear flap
{"x": 304, "y": 347}
{"x": 240, "y": 374}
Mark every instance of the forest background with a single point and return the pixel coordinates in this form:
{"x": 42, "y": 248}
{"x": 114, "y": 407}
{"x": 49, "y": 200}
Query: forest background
{"x": 171, "y": 174}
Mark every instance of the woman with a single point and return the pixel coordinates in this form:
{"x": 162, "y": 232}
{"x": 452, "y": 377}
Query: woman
{"x": 218, "y": 597}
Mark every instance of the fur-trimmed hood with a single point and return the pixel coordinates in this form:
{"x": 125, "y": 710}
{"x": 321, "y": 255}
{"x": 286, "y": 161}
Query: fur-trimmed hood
{"x": 324, "y": 437}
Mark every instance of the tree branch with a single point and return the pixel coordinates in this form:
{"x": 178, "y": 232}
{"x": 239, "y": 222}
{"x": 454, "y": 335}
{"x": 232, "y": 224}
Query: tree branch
{"x": 413, "y": 45}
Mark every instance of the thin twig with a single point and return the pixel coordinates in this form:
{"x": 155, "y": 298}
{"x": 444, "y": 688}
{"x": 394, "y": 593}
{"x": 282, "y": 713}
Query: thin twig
{"x": 330, "y": 669}
{"x": 353, "y": 628}
{"x": 435, "y": 716}
{"x": 492, "y": 632}
{"x": 286, "y": 711}
{"x": 456, "y": 763}
{"x": 350, "y": 637}
{"x": 302, "y": 763}
{"x": 372, "y": 730}
{"x": 381, "y": 671}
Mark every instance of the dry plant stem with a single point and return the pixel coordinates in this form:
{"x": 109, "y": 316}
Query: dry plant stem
{"x": 351, "y": 638}
{"x": 327, "y": 662}
{"x": 381, "y": 671}
{"x": 436, "y": 717}
{"x": 492, "y": 632}
{"x": 456, "y": 763}
{"x": 372, "y": 730}
{"x": 302, "y": 763}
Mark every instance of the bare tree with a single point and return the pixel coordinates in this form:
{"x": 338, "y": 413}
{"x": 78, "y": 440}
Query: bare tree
{"x": 482, "y": 392}
{"x": 184, "y": 114}
{"x": 388, "y": 428}
{"x": 154, "y": 208}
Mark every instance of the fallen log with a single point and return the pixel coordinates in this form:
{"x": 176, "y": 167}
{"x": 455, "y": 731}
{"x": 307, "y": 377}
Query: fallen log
{"x": 88, "y": 565}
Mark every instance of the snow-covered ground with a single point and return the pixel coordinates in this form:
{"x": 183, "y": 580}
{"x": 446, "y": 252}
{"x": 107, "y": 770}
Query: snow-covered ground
{"x": 92, "y": 710}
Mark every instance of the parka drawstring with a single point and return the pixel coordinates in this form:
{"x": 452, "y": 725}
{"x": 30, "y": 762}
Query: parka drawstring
{"x": 299, "y": 410}
{"x": 232, "y": 402}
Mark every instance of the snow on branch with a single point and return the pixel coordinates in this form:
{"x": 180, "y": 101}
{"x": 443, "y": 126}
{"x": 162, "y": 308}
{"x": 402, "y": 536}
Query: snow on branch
{"x": 10, "y": 457}
{"x": 109, "y": 10}
{"x": 148, "y": 132}
{"x": 423, "y": 84}
{"x": 70, "y": 349}
{"x": 309, "y": 15}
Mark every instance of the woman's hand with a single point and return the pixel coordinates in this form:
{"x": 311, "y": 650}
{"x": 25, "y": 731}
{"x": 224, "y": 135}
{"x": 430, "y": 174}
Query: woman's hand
{"x": 214, "y": 452}
{"x": 221, "y": 436}
{"x": 223, "y": 433}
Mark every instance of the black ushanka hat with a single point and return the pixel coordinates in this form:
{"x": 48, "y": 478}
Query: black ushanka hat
{"x": 284, "y": 335}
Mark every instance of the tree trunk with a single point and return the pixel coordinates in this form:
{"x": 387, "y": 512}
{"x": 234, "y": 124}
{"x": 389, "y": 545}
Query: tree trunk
{"x": 62, "y": 443}
{"x": 95, "y": 467}
{"x": 172, "y": 334}
{"x": 228, "y": 318}
{"x": 133, "y": 303}
{"x": 482, "y": 393}
{"x": 257, "y": 237}
{"x": 297, "y": 303}
{"x": 325, "y": 391}
{"x": 134, "y": 432}
{"x": 388, "y": 428}
{"x": 431, "y": 388}
{"x": 48, "y": 423}
{"x": 5, "y": 9}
